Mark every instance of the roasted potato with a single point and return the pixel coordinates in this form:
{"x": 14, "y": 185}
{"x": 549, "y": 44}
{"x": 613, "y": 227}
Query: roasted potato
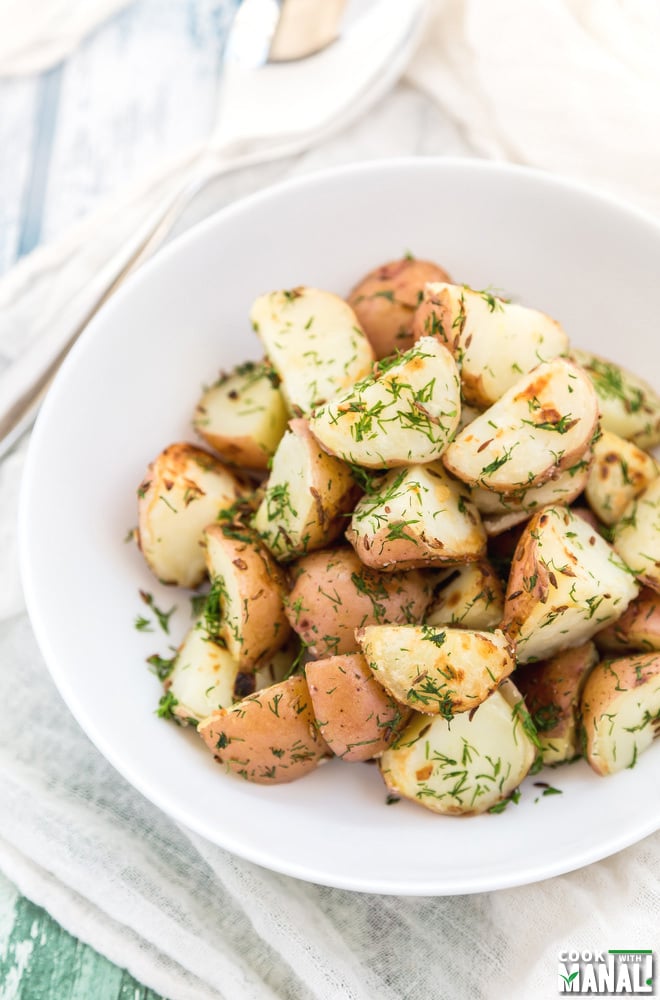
{"x": 416, "y": 516}
{"x": 637, "y": 536}
{"x": 620, "y": 471}
{"x": 501, "y": 511}
{"x": 469, "y": 764}
{"x": 314, "y": 342}
{"x": 629, "y": 406}
{"x": 493, "y": 341}
{"x": 436, "y": 671}
{"x": 471, "y": 597}
{"x": 405, "y": 413}
{"x": 385, "y": 301}
{"x": 356, "y": 717}
{"x": 306, "y": 497}
{"x": 334, "y": 593}
{"x": 566, "y": 584}
{"x": 637, "y": 628}
{"x": 538, "y": 428}
{"x": 621, "y": 711}
{"x": 551, "y": 689}
{"x": 183, "y": 490}
{"x": 243, "y": 415}
{"x": 245, "y": 606}
{"x": 270, "y": 737}
{"x": 202, "y": 678}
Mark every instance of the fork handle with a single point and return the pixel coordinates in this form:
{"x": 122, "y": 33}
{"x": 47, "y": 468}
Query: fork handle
{"x": 31, "y": 375}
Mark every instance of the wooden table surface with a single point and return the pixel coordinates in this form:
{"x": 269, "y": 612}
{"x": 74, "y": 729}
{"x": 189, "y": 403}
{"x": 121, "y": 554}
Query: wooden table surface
{"x": 40, "y": 961}
{"x": 142, "y": 86}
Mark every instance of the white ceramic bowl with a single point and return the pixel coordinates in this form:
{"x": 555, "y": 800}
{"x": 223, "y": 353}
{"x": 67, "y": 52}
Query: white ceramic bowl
{"x": 129, "y": 388}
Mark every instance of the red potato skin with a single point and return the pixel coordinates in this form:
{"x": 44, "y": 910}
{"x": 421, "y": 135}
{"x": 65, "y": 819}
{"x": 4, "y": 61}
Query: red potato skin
{"x": 357, "y": 718}
{"x": 551, "y": 688}
{"x": 433, "y": 318}
{"x": 385, "y": 301}
{"x": 520, "y": 599}
{"x": 327, "y": 626}
{"x": 638, "y": 627}
{"x": 607, "y": 679}
{"x": 270, "y": 737}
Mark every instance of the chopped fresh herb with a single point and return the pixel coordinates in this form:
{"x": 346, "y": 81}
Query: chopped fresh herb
{"x": 163, "y": 617}
{"x": 166, "y": 706}
{"x": 161, "y": 666}
{"x": 197, "y": 604}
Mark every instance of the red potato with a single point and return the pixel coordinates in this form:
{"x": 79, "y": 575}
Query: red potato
{"x": 465, "y": 765}
{"x": 637, "y": 536}
{"x": 249, "y": 588}
{"x": 183, "y": 490}
{"x": 437, "y": 670}
{"x": 334, "y": 593}
{"x": 385, "y": 301}
{"x": 243, "y": 415}
{"x": 620, "y": 709}
{"x": 305, "y": 498}
{"x": 357, "y": 718}
{"x": 551, "y": 689}
{"x": 494, "y": 341}
{"x": 270, "y": 737}
{"x": 637, "y": 628}
{"x": 416, "y": 516}
{"x": 566, "y": 583}
{"x": 538, "y": 428}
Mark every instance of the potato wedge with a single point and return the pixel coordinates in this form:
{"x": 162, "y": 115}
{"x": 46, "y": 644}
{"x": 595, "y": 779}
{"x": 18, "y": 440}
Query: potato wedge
{"x": 315, "y": 343}
{"x": 621, "y": 711}
{"x": 243, "y": 415}
{"x": 436, "y": 671}
{"x": 270, "y": 737}
{"x": 306, "y": 497}
{"x": 385, "y": 301}
{"x": 538, "y": 428}
{"x": 334, "y": 593}
{"x": 629, "y": 406}
{"x": 356, "y": 717}
{"x": 637, "y": 628}
{"x": 404, "y": 414}
{"x": 245, "y": 606}
{"x": 551, "y": 689}
{"x": 468, "y": 765}
{"x": 472, "y": 597}
{"x": 620, "y": 471}
{"x": 637, "y": 536}
{"x": 416, "y": 516}
{"x": 183, "y": 490}
{"x": 562, "y": 488}
{"x": 566, "y": 583}
{"x": 202, "y": 677}
{"x": 493, "y": 341}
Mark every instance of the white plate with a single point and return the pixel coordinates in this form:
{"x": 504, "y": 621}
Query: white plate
{"x": 128, "y": 389}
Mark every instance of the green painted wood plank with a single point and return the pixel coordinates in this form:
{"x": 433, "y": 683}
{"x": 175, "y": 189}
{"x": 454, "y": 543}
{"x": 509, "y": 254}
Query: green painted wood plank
{"x": 40, "y": 961}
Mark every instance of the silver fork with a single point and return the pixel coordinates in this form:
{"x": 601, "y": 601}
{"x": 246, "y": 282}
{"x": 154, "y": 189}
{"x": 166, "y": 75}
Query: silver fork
{"x": 288, "y": 82}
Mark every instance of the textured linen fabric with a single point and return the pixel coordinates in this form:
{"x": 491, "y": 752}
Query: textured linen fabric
{"x": 182, "y": 915}
{"x": 37, "y": 34}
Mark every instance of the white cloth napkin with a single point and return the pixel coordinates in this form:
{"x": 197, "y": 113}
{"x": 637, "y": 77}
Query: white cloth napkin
{"x": 37, "y": 34}
{"x": 185, "y": 917}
